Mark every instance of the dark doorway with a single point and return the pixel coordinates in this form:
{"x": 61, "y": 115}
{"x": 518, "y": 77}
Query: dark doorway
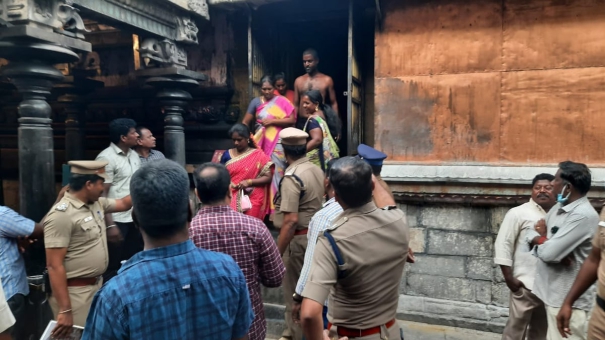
{"x": 281, "y": 32}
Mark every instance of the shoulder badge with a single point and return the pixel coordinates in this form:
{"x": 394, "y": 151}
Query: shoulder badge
{"x": 389, "y": 207}
{"x": 61, "y": 207}
{"x": 338, "y": 223}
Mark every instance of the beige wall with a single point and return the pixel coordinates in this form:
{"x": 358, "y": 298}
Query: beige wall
{"x": 491, "y": 81}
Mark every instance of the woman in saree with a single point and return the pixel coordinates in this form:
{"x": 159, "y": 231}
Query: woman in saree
{"x": 321, "y": 123}
{"x": 251, "y": 173}
{"x": 269, "y": 114}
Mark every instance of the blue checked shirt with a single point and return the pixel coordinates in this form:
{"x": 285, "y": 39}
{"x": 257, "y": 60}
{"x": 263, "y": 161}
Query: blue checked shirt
{"x": 154, "y": 155}
{"x": 319, "y": 223}
{"x": 12, "y": 265}
{"x": 173, "y": 292}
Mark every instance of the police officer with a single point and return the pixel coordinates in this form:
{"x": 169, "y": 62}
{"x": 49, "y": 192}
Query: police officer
{"x": 76, "y": 244}
{"x": 299, "y": 197}
{"x": 358, "y": 261}
{"x": 375, "y": 159}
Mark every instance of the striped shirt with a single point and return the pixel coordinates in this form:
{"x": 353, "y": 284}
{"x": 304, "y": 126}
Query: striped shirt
{"x": 12, "y": 265}
{"x": 570, "y": 229}
{"x": 319, "y": 223}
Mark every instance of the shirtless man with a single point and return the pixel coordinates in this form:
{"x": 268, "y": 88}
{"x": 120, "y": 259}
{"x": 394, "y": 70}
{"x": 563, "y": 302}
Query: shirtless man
{"x": 314, "y": 80}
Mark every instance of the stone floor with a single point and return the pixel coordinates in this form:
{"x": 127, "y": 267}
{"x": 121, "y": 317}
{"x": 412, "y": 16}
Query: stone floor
{"x": 422, "y": 331}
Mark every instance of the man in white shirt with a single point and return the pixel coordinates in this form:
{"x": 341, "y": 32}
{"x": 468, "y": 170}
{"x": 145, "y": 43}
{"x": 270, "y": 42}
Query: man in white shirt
{"x": 123, "y": 162}
{"x": 527, "y": 315}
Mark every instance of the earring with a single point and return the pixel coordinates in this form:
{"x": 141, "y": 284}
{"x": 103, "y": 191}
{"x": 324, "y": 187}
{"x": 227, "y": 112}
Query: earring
{"x": 316, "y": 108}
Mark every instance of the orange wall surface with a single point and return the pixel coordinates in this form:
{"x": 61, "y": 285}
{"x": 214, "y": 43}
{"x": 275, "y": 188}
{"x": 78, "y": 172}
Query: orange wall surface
{"x": 505, "y": 82}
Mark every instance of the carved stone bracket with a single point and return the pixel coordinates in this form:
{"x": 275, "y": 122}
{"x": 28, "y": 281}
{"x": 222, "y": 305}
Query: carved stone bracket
{"x": 162, "y": 53}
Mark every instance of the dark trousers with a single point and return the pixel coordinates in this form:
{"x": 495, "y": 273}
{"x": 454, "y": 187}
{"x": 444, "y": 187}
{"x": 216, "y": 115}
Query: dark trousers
{"x": 18, "y": 304}
{"x": 132, "y": 244}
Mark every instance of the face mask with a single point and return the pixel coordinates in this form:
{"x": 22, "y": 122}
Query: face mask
{"x": 560, "y": 198}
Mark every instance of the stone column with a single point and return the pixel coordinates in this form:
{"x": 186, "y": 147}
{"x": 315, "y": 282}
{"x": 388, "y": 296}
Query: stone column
{"x": 31, "y": 71}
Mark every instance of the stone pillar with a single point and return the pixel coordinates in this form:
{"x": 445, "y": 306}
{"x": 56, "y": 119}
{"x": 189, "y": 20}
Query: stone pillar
{"x": 173, "y": 83}
{"x": 31, "y": 71}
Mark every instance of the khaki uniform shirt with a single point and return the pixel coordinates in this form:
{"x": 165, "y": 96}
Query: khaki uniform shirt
{"x": 80, "y": 228}
{"x": 120, "y": 169}
{"x": 374, "y": 246}
{"x": 289, "y": 200}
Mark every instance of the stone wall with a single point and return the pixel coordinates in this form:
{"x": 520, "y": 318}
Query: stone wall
{"x": 454, "y": 280}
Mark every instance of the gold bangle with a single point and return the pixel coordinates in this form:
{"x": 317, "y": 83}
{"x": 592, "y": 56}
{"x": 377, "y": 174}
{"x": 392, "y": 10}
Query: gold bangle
{"x": 249, "y": 182}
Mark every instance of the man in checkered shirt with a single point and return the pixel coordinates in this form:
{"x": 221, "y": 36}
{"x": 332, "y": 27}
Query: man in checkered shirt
{"x": 218, "y": 227}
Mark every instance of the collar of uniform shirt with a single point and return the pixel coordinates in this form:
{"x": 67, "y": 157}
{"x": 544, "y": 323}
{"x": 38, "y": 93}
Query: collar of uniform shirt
{"x": 118, "y": 150}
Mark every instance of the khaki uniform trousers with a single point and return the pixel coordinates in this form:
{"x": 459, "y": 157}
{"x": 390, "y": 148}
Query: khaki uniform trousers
{"x": 596, "y": 326}
{"x": 81, "y": 300}
{"x": 577, "y": 324}
{"x": 391, "y": 333}
{"x": 526, "y": 317}
{"x": 294, "y": 258}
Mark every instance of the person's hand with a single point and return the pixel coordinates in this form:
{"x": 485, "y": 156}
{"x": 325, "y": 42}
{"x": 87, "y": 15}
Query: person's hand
{"x": 24, "y": 242}
{"x": 411, "y": 258}
{"x": 514, "y": 284}
{"x": 541, "y": 227}
{"x": 244, "y": 184}
{"x": 267, "y": 122}
{"x": 563, "y": 320}
{"x": 114, "y": 235}
{"x": 62, "y": 192}
{"x": 568, "y": 260}
{"x": 64, "y": 326}
{"x": 327, "y": 336}
{"x": 296, "y": 312}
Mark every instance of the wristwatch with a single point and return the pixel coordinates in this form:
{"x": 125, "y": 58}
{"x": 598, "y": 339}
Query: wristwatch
{"x": 297, "y": 298}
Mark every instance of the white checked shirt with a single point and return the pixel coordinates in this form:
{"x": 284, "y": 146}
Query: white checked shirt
{"x": 319, "y": 223}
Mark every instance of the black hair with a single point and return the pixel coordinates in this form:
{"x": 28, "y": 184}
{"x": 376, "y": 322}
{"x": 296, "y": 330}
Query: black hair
{"x": 331, "y": 116}
{"x": 267, "y": 79}
{"x": 329, "y": 165}
{"x": 295, "y": 151}
{"x": 78, "y": 181}
{"x": 244, "y": 131}
{"x": 312, "y": 52}
{"x": 376, "y": 169}
{"x": 577, "y": 174}
{"x": 160, "y": 198}
{"x": 120, "y": 127}
{"x": 351, "y": 178}
{"x": 213, "y": 187}
{"x": 542, "y": 177}
{"x": 279, "y": 76}
{"x": 139, "y": 129}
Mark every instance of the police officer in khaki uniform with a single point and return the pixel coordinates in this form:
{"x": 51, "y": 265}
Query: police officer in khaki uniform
{"x": 358, "y": 261}
{"x": 299, "y": 197}
{"x": 76, "y": 244}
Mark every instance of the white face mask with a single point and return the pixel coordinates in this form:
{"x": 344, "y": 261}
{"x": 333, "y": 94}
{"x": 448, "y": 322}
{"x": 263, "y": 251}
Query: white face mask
{"x": 560, "y": 198}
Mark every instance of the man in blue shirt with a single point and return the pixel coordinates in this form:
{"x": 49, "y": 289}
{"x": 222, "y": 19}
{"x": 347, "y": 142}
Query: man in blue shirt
{"x": 172, "y": 289}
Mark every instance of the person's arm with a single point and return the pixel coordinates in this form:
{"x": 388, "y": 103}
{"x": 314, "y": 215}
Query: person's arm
{"x": 332, "y": 95}
{"x": 284, "y": 122}
{"x": 245, "y": 314}
{"x": 113, "y": 232}
{"x": 565, "y": 240}
{"x": 257, "y": 182}
{"x": 105, "y": 319}
{"x": 382, "y": 198}
{"x": 505, "y": 247}
{"x": 271, "y": 267}
{"x": 58, "y": 283}
{"x": 586, "y": 277}
{"x": 296, "y": 94}
{"x": 290, "y": 196}
{"x": 317, "y": 138}
{"x": 251, "y": 112}
{"x": 14, "y": 225}
{"x": 323, "y": 277}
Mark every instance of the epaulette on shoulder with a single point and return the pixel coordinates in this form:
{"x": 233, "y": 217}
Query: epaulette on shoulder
{"x": 389, "y": 207}
{"x": 61, "y": 206}
{"x": 338, "y": 223}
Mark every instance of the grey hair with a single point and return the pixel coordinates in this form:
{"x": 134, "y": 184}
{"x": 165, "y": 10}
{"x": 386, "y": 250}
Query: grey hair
{"x": 160, "y": 198}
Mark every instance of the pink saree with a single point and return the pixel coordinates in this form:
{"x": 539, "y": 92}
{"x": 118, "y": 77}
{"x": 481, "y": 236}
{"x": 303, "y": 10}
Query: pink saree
{"x": 250, "y": 165}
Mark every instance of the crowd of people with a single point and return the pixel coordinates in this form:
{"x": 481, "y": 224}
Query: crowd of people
{"x": 130, "y": 256}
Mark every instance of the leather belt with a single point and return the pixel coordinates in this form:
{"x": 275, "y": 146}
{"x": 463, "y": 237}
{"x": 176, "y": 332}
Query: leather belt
{"x": 601, "y": 302}
{"x": 82, "y": 281}
{"x": 301, "y": 232}
{"x": 358, "y": 333}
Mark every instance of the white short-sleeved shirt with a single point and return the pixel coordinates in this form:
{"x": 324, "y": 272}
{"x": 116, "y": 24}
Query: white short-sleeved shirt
{"x": 6, "y": 316}
{"x": 120, "y": 169}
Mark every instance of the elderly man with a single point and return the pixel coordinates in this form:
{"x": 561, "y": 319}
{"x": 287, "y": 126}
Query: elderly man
{"x": 527, "y": 315}
{"x": 246, "y": 239}
{"x": 562, "y": 243}
{"x": 356, "y": 308}
{"x": 172, "y": 289}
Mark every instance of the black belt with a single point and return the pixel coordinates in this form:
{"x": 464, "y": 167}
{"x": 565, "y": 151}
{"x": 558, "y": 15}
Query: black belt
{"x": 601, "y": 302}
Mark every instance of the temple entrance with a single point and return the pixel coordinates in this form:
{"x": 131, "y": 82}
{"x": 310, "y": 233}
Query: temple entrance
{"x": 338, "y": 30}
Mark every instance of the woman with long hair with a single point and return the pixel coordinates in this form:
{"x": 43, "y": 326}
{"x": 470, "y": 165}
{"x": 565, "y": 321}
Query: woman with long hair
{"x": 321, "y": 123}
{"x": 281, "y": 87}
{"x": 270, "y": 114}
{"x": 251, "y": 173}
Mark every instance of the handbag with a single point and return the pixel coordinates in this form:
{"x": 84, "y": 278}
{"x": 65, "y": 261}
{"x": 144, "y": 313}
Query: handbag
{"x": 244, "y": 201}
